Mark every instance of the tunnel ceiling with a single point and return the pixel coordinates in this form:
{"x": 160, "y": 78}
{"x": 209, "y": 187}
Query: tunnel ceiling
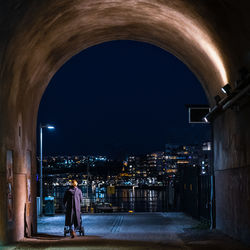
{"x": 40, "y": 36}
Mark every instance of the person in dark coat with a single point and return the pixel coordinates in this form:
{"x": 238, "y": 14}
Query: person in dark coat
{"x": 72, "y": 201}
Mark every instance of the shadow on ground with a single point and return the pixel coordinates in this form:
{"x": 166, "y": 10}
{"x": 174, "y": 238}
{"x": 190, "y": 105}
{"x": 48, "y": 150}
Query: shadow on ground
{"x": 192, "y": 239}
{"x": 88, "y": 242}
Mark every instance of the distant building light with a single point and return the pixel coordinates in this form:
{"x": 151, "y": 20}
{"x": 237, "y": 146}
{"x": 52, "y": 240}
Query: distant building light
{"x": 207, "y": 146}
{"x": 182, "y": 162}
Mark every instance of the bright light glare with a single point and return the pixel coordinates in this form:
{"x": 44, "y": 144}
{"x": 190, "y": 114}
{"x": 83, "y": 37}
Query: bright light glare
{"x": 196, "y": 33}
{"x": 223, "y": 90}
{"x": 206, "y": 120}
{"x": 50, "y": 127}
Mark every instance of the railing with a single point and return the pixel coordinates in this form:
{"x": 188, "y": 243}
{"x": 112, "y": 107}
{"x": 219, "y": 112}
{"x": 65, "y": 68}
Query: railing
{"x": 123, "y": 200}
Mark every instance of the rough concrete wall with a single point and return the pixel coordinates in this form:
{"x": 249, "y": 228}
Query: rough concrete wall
{"x": 52, "y": 31}
{"x": 232, "y": 172}
{"x": 21, "y": 142}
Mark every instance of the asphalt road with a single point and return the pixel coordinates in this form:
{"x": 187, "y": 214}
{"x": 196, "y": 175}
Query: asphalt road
{"x": 129, "y": 231}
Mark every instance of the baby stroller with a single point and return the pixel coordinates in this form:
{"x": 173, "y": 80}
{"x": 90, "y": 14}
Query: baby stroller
{"x": 79, "y": 230}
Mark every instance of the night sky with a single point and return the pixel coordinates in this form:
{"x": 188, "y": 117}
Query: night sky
{"x": 120, "y": 98}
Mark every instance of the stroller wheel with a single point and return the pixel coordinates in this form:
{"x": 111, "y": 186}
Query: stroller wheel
{"x": 81, "y": 231}
{"x": 66, "y": 231}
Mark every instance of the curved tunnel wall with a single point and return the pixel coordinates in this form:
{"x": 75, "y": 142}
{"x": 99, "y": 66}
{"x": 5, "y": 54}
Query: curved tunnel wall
{"x": 39, "y": 37}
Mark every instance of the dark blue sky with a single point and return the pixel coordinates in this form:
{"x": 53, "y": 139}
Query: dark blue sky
{"x": 120, "y": 97}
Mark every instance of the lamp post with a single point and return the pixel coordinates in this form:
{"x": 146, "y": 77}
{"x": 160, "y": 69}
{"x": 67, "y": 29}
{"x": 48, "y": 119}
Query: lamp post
{"x": 41, "y": 164}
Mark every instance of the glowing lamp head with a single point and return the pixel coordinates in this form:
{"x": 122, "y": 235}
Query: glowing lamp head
{"x": 206, "y": 119}
{"x": 226, "y": 89}
{"x": 50, "y": 127}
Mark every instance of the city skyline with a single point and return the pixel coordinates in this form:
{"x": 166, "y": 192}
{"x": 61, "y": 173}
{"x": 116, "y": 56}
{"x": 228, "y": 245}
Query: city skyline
{"x": 102, "y": 157}
{"x": 119, "y": 98}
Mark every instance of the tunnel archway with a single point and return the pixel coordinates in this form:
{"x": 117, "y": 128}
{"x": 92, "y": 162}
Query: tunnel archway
{"x": 125, "y": 107}
{"x": 42, "y": 36}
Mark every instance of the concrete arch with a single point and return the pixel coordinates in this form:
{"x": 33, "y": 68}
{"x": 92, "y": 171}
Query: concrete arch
{"x": 39, "y": 37}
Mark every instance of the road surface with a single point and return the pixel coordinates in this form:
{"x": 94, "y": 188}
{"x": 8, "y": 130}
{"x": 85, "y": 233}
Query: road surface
{"x": 129, "y": 231}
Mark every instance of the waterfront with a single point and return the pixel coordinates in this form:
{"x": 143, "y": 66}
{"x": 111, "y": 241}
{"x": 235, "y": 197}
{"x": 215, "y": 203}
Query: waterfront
{"x": 175, "y": 180}
{"x": 115, "y": 199}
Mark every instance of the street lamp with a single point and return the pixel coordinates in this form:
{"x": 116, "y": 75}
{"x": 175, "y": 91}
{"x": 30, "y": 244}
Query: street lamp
{"x": 41, "y": 163}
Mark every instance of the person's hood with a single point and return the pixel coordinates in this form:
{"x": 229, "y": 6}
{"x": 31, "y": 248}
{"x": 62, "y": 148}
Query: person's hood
{"x": 72, "y": 190}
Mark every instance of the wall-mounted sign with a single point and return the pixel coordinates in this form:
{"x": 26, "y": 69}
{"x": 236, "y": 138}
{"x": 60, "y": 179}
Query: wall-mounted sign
{"x": 196, "y": 113}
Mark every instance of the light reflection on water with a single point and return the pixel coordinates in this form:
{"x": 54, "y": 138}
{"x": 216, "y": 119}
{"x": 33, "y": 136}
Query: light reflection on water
{"x": 123, "y": 199}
